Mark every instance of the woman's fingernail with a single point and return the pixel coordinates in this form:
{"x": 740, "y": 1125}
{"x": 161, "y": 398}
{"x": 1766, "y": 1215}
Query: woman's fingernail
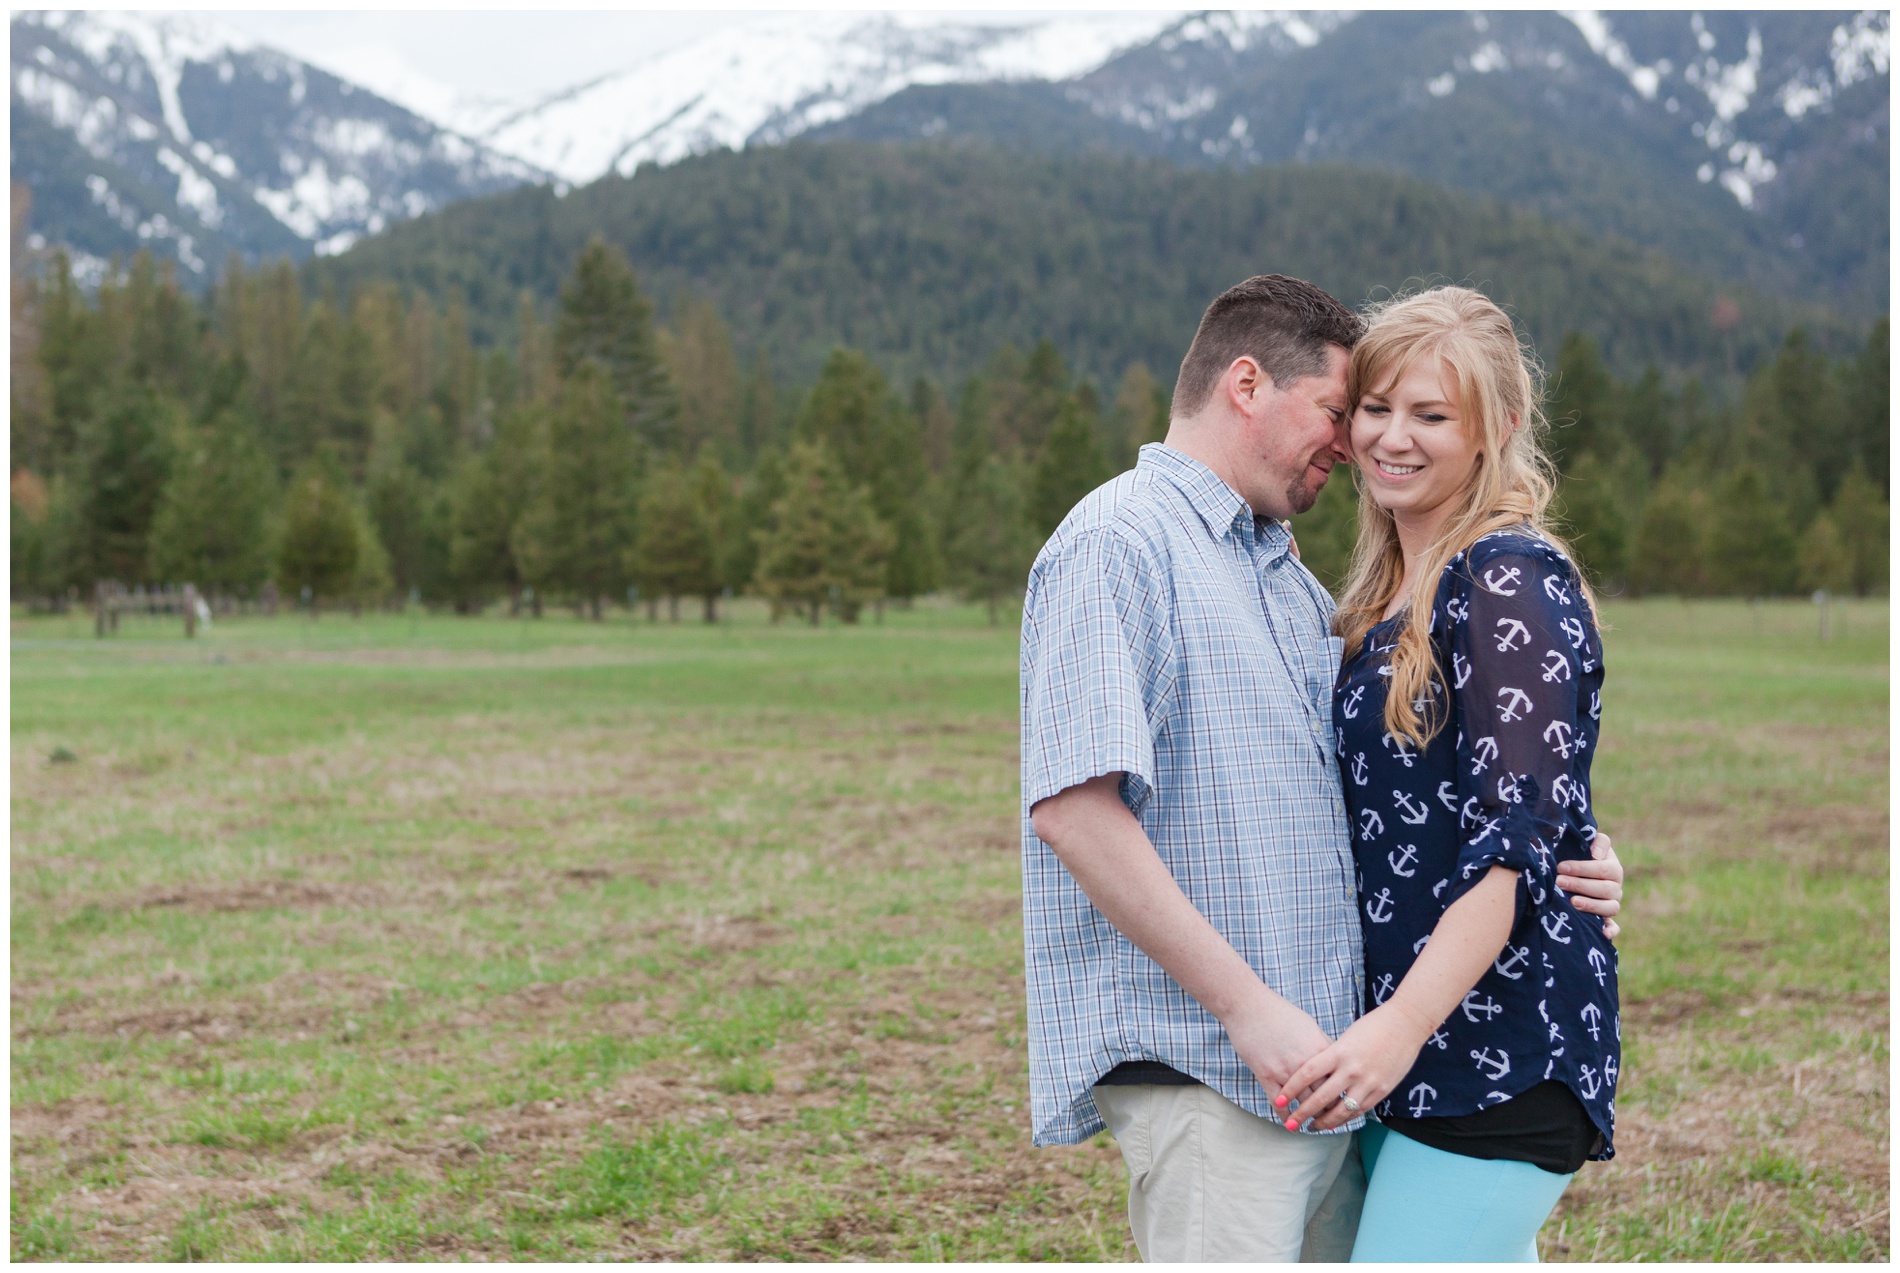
{"x": 1280, "y": 1101}
{"x": 1292, "y": 1124}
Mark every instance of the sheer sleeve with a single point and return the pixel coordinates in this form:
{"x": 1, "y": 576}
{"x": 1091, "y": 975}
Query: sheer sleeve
{"x": 1519, "y": 637}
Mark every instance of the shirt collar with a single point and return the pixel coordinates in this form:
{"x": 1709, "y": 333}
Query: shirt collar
{"x": 1219, "y": 505}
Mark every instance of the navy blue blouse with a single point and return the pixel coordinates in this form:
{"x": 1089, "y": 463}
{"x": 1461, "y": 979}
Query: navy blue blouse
{"x": 1505, "y": 781}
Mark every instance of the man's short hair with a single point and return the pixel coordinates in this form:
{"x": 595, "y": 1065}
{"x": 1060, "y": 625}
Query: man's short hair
{"x": 1282, "y": 323}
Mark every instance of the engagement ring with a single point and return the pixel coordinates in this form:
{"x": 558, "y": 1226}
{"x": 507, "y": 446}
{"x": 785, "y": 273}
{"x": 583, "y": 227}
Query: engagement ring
{"x": 1351, "y": 1105}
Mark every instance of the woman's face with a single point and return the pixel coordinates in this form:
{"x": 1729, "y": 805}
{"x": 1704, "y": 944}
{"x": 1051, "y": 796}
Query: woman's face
{"x": 1412, "y": 447}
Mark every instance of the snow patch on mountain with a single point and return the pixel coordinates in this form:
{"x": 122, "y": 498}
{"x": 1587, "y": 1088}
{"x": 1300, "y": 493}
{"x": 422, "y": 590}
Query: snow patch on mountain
{"x": 773, "y": 79}
{"x": 191, "y": 135}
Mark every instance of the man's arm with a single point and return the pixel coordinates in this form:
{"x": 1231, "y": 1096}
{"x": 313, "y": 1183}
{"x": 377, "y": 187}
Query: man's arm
{"x": 1103, "y": 846}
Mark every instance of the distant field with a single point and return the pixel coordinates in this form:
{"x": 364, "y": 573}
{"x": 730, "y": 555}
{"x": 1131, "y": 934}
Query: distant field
{"x": 425, "y": 938}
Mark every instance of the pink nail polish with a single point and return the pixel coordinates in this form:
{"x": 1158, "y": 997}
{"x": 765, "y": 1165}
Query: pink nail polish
{"x": 1280, "y": 1101}
{"x": 1292, "y": 1124}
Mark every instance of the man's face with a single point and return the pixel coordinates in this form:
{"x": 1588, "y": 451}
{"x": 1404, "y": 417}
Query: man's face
{"x": 1293, "y": 437}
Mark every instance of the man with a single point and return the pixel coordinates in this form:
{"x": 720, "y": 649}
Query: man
{"x": 1190, "y": 924}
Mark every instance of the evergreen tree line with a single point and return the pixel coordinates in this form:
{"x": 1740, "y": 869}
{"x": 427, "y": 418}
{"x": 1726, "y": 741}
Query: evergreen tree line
{"x": 259, "y": 444}
{"x": 1668, "y": 489}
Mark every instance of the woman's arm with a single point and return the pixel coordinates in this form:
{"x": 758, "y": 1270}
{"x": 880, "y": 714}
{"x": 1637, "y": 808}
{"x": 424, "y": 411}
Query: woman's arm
{"x": 1370, "y": 1058}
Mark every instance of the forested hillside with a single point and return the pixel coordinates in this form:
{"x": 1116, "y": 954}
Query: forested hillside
{"x": 929, "y": 257}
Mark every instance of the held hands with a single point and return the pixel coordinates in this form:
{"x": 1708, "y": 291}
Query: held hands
{"x": 1596, "y": 886}
{"x": 1273, "y": 1037}
{"x": 1365, "y": 1064}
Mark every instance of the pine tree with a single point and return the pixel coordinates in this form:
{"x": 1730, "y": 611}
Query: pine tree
{"x": 1587, "y": 507}
{"x": 1666, "y": 552}
{"x": 1069, "y": 467}
{"x": 1648, "y": 418}
{"x": 937, "y": 424}
{"x": 713, "y": 489}
{"x": 1045, "y": 396}
{"x": 705, "y": 374}
{"x": 371, "y": 582}
{"x": 1752, "y": 549}
{"x": 1139, "y": 416}
{"x": 674, "y": 552}
{"x": 1582, "y": 403}
{"x": 605, "y": 321}
{"x": 1867, "y": 402}
{"x": 321, "y": 541}
{"x": 750, "y": 520}
{"x": 759, "y": 410}
{"x": 1861, "y": 518}
{"x": 575, "y": 534}
{"x": 212, "y": 527}
{"x": 988, "y": 543}
{"x": 826, "y": 544}
{"x": 29, "y": 507}
{"x": 401, "y": 505}
{"x": 123, "y": 466}
{"x": 1825, "y": 565}
{"x": 878, "y": 445}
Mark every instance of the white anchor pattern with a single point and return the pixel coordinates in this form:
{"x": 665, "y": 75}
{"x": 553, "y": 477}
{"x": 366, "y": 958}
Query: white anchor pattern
{"x": 1510, "y": 768}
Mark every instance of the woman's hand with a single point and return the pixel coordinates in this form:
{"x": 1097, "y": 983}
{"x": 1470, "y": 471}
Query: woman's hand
{"x": 1365, "y": 1063}
{"x": 1596, "y": 886}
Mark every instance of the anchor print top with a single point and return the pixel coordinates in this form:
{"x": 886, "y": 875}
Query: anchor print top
{"x": 1505, "y": 781}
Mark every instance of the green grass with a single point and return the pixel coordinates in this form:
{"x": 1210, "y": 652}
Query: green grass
{"x": 432, "y": 938}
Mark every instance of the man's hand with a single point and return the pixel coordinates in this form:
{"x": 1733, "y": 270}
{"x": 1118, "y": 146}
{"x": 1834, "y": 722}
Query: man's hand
{"x": 1596, "y": 886}
{"x": 1273, "y": 1037}
{"x": 1105, "y": 849}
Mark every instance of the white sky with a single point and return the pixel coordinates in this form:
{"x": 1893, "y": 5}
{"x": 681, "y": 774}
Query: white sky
{"x": 426, "y": 60}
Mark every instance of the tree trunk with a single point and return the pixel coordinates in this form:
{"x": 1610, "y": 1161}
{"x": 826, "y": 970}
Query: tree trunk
{"x": 817, "y": 612}
{"x": 712, "y": 607}
{"x": 594, "y": 611}
{"x": 653, "y": 609}
{"x": 673, "y": 609}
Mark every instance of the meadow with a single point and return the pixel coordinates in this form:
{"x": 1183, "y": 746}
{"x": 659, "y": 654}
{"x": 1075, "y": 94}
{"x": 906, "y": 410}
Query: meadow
{"x": 420, "y": 937}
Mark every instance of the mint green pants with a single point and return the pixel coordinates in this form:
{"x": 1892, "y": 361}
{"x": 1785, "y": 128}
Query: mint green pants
{"x": 1424, "y": 1205}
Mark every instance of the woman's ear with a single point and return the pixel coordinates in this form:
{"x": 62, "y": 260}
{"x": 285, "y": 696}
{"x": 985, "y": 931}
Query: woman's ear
{"x": 1515, "y": 421}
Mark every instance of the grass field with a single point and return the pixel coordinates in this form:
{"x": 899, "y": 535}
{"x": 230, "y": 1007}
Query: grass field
{"x": 410, "y": 937}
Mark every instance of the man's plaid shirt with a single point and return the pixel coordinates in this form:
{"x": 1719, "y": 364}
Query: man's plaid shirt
{"x": 1171, "y": 636}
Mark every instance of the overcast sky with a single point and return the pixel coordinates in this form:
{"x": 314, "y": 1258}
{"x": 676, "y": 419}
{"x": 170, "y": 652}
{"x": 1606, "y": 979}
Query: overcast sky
{"x": 413, "y": 57}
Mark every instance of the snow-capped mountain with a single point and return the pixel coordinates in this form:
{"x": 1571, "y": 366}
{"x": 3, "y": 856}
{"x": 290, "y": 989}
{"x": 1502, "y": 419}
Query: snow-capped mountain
{"x": 773, "y": 78}
{"x": 1751, "y": 145}
{"x": 172, "y": 132}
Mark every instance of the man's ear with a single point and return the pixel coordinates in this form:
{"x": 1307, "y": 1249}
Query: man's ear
{"x": 1245, "y": 381}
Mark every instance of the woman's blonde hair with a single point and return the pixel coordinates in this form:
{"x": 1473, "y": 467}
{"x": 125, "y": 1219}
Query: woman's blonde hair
{"x": 1500, "y": 402}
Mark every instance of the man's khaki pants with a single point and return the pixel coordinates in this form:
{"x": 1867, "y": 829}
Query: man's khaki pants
{"x": 1207, "y": 1181}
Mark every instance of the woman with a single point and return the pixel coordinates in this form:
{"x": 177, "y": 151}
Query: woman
{"x": 1466, "y": 713}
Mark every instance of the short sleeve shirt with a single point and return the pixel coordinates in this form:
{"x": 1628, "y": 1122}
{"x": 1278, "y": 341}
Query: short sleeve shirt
{"x": 1171, "y": 636}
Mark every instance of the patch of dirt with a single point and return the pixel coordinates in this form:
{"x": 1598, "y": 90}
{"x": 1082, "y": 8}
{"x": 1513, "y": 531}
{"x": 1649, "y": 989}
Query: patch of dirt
{"x": 255, "y": 895}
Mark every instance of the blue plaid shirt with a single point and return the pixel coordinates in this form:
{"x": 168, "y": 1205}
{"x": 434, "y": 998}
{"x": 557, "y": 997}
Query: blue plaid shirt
{"x": 1169, "y": 635}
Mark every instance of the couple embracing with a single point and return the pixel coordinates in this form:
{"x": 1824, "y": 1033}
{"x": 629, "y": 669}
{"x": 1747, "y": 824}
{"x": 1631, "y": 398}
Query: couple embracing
{"x": 1308, "y": 889}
